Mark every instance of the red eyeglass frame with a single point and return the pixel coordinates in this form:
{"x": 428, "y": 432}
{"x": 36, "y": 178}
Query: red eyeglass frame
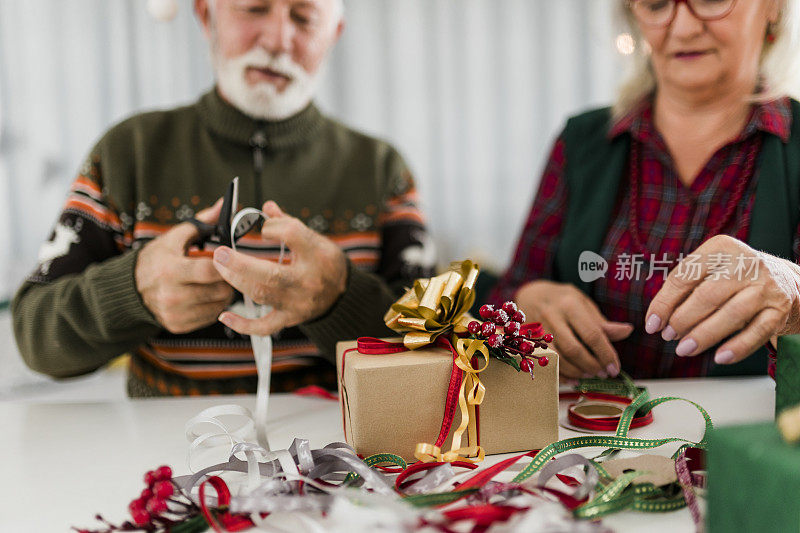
{"x": 688, "y": 3}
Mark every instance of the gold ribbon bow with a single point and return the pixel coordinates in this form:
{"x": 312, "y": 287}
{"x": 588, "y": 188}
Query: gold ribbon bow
{"x": 437, "y": 307}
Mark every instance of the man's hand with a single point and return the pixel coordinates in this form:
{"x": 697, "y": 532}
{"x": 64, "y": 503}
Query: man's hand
{"x": 734, "y": 293}
{"x": 299, "y": 291}
{"x": 582, "y": 335}
{"x": 184, "y": 294}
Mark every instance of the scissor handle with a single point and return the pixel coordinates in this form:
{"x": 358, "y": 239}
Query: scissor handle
{"x": 197, "y": 253}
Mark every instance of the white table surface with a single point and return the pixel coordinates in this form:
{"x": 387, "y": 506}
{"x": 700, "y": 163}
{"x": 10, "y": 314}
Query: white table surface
{"x": 65, "y": 462}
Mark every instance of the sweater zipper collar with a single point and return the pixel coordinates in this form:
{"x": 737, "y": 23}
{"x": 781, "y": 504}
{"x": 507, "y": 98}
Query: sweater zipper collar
{"x": 227, "y": 121}
{"x": 258, "y": 142}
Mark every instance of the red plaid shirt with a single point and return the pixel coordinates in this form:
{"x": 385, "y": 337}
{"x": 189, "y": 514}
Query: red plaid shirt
{"x": 673, "y": 220}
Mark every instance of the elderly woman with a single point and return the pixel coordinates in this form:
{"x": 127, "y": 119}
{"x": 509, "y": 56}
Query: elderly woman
{"x": 695, "y": 173}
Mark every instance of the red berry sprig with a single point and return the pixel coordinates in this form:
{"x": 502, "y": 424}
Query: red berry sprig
{"x": 503, "y": 331}
{"x": 159, "y": 506}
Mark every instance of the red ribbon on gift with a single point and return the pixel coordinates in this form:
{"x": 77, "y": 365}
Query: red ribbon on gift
{"x": 374, "y": 346}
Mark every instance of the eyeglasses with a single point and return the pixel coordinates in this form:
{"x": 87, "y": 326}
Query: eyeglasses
{"x": 662, "y": 12}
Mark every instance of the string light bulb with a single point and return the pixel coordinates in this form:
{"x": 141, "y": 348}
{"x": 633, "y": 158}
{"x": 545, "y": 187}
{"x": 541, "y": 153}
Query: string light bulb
{"x": 162, "y": 10}
{"x": 625, "y": 44}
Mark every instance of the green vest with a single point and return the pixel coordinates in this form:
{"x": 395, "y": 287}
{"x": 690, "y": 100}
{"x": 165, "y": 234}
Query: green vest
{"x": 596, "y": 165}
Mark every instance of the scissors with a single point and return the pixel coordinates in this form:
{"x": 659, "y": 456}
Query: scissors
{"x": 223, "y": 233}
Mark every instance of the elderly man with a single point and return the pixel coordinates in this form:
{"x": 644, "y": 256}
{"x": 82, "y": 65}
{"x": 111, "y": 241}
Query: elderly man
{"x": 116, "y": 276}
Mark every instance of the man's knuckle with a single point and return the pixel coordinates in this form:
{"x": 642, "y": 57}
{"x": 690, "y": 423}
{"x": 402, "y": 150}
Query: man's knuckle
{"x": 294, "y": 228}
{"x": 260, "y": 293}
{"x": 206, "y": 273}
{"x": 223, "y": 292}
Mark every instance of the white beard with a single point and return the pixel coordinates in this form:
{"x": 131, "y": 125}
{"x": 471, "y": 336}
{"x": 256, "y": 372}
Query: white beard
{"x": 263, "y": 100}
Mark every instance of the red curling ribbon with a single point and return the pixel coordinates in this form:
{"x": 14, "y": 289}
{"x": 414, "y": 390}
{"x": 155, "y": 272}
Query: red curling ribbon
{"x": 230, "y": 522}
{"x": 315, "y": 391}
{"x": 402, "y": 482}
{"x": 606, "y": 423}
{"x": 484, "y": 476}
{"x": 568, "y": 480}
{"x": 483, "y": 515}
{"x": 567, "y": 500}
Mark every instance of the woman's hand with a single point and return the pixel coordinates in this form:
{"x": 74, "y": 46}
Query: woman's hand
{"x": 582, "y": 335}
{"x": 726, "y": 290}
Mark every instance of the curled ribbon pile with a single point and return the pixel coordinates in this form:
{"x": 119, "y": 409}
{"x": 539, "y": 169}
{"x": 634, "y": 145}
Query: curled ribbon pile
{"x": 434, "y": 311}
{"x": 332, "y": 489}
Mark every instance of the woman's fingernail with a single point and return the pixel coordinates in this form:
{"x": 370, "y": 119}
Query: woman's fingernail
{"x": 612, "y": 370}
{"x": 223, "y": 318}
{"x": 668, "y": 334}
{"x": 686, "y": 347}
{"x": 653, "y": 324}
{"x": 602, "y": 375}
{"x": 222, "y": 256}
{"x": 724, "y": 357}
{"x": 587, "y": 375}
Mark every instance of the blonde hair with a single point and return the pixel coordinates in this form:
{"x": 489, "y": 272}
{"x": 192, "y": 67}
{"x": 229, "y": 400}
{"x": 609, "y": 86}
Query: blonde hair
{"x": 779, "y": 67}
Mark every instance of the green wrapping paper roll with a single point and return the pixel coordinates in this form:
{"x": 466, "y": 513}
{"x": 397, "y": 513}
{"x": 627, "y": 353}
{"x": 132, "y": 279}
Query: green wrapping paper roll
{"x": 787, "y": 373}
{"x": 753, "y": 480}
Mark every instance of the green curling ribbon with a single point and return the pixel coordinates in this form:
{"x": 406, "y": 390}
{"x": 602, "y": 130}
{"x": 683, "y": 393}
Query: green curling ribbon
{"x": 615, "y": 495}
{"x": 620, "y": 440}
{"x": 438, "y": 498}
{"x": 622, "y": 386}
{"x": 378, "y": 459}
{"x": 644, "y": 497}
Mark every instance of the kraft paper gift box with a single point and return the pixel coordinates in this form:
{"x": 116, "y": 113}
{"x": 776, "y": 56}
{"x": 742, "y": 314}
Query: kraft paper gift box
{"x": 392, "y": 402}
{"x": 753, "y": 480}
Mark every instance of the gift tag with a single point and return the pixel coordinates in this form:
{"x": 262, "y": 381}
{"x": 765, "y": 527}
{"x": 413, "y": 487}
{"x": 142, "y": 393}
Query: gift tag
{"x": 660, "y": 470}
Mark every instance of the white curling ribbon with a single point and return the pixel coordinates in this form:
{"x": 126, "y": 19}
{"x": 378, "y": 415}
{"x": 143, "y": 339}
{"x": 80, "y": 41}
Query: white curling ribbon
{"x": 242, "y": 222}
{"x": 262, "y": 344}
